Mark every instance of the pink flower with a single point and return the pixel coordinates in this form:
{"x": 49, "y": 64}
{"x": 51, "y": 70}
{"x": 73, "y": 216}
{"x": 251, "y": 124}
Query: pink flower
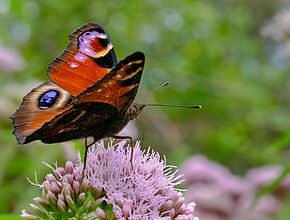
{"x": 10, "y": 59}
{"x": 262, "y": 176}
{"x": 139, "y": 186}
{"x": 220, "y": 195}
{"x": 116, "y": 184}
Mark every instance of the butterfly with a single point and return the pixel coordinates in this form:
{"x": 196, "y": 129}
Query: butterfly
{"x": 90, "y": 93}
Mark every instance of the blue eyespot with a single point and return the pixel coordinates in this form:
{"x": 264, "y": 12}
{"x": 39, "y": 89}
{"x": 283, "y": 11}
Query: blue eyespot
{"x": 47, "y": 99}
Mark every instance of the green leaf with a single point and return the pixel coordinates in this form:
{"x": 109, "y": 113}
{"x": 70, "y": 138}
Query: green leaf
{"x": 275, "y": 184}
{"x": 282, "y": 143}
{"x": 108, "y": 208}
{"x": 285, "y": 211}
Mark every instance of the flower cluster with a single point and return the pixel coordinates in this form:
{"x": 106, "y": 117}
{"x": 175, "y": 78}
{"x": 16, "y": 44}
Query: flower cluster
{"x": 278, "y": 29}
{"x": 65, "y": 195}
{"x": 220, "y": 195}
{"x": 119, "y": 182}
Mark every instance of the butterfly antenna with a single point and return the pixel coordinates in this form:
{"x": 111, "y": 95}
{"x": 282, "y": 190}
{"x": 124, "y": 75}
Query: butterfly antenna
{"x": 174, "y": 106}
{"x": 150, "y": 93}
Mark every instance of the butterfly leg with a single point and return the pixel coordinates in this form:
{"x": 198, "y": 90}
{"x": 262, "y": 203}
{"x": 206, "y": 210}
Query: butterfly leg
{"x": 131, "y": 144}
{"x": 124, "y": 137}
{"x": 86, "y": 154}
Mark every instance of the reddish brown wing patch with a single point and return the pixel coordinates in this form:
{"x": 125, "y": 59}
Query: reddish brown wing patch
{"x": 87, "y": 59}
{"x": 29, "y": 117}
{"x": 119, "y": 87}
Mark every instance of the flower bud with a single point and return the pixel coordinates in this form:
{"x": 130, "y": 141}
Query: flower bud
{"x": 76, "y": 187}
{"x": 69, "y": 167}
{"x": 50, "y": 178}
{"x": 70, "y": 202}
{"x": 61, "y": 205}
{"x": 28, "y": 216}
{"x": 43, "y": 194}
{"x": 81, "y": 198}
{"x": 38, "y": 211}
{"x": 101, "y": 214}
{"x": 69, "y": 178}
{"x": 41, "y": 201}
{"x": 97, "y": 203}
{"x": 59, "y": 171}
{"x": 54, "y": 188}
{"x": 178, "y": 203}
{"x": 67, "y": 190}
{"x": 92, "y": 215}
{"x": 46, "y": 186}
{"x": 51, "y": 198}
{"x": 166, "y": 205}
{"x": 96, "y": 192}
{"x": 84, "y": 185}
{"x": 60, "y": 196}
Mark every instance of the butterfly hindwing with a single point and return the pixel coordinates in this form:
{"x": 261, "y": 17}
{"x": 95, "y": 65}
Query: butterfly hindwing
{"x": 39, "y": 106}
{"x": 119, "y": 87}
{"x": 88, "y": 119}
{"x": 88, "y": 58}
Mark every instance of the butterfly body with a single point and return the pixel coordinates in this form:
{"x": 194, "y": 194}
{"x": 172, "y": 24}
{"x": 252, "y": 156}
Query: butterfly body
{"x": 90, "y": 94}
{"x": 91, "y": 120}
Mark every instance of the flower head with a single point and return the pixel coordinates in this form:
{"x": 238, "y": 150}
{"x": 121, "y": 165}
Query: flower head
{"x": 119, "y": 182}
{"x": 223, "y": 195}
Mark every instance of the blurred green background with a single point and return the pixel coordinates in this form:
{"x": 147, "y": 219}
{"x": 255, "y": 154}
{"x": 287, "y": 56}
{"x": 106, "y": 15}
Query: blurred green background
{"x": 220, "y": 54}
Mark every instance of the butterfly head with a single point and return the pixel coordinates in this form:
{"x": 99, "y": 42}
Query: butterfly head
{"x": 134, "y": 110}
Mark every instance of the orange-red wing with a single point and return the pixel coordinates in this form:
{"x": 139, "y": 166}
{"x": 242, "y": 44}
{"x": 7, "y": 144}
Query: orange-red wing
{"x": 30, "y": 117}
{"x": 119, "y": 87}
{"x": 88, "y": 58}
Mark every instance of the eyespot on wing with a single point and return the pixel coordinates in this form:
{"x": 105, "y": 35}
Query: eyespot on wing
{"x": 30, "y": 117}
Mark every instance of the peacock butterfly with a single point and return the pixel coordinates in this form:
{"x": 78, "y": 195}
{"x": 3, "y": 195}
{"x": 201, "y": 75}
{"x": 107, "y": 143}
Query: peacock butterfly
{"x": 90, "y": 94}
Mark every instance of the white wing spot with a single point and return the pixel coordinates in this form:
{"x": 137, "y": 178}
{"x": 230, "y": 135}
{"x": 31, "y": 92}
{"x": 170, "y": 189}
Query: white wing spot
{"x": 118, "y": 76}
{"x": 73, "y": 65}
{"x": 99, "y": 90}
{"x": 80, "y": 57}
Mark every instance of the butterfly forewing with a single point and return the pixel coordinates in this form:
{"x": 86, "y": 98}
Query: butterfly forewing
{"x": 88, "y": 58}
